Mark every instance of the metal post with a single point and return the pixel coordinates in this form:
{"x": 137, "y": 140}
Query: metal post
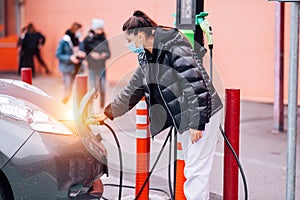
{"x": 18, "y": 16}
{"x": 278, "y": 108}
{"x": 198, "y": 37}
{"x": 292, "y": 103}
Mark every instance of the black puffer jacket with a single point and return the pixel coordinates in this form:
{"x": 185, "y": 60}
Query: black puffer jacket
{"x": 171, "y": 79}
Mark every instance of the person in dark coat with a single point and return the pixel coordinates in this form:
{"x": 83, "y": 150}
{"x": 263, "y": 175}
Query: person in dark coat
{"x": 28, "y": 43}
{"x": 179, "y": 94}
{"x": 38, "y": 55}
{"x": 97, "y": 50}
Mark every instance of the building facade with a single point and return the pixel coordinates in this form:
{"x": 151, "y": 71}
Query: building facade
{"x": 243, "y": 36}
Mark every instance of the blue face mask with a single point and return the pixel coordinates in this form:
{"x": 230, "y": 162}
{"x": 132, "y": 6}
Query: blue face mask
{"x": 78, "y": 34}
{"x": 131, "y": 46}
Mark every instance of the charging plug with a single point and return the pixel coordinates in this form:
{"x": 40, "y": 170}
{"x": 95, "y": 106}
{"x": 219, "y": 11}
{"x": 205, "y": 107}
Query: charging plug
{"x": 206, "y": 28}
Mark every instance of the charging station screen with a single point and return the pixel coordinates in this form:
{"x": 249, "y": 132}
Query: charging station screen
{"x": 186, "y": 12}
{"x": 185, "y": 15}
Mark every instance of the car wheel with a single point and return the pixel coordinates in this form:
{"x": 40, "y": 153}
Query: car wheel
{"x": 5, "y": 190}
{"x": 2, "y": 194}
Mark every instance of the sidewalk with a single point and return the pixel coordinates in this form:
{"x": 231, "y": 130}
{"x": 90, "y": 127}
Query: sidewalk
{"x": 262, "y": 152}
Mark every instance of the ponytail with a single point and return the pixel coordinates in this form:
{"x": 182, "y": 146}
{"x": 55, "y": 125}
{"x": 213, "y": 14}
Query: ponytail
{"x": 139, "y": 21}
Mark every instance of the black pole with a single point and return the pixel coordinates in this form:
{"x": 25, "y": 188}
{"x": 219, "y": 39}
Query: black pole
{"x": 198, "y": 36}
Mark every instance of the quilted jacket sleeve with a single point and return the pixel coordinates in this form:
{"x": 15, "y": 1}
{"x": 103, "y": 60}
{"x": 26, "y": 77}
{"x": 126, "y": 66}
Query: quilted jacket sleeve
{"x": 127, "y": 98}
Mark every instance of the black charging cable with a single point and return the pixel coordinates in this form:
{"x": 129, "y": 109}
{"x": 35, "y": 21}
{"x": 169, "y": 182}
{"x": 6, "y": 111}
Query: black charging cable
{"x": 169, "y": 168}
{"x": 237, "y": 160}
{"x": 120, "y": 158}
{"x": 172, "y": 192}
{"x": 121, "y": 167}
{"x": 154, "y": 165}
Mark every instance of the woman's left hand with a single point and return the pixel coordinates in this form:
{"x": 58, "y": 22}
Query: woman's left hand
{"x": 195, "y": 135}
{"x": 96, "y": 119}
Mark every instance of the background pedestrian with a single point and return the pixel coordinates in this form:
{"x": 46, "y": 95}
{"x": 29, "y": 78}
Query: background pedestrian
{"x": 28, "y": 43}
{"x": 97, "y": 50}
{"x": 69, "y": 58}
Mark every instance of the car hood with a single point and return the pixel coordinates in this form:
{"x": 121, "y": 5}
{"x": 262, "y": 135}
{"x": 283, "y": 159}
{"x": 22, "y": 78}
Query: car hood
{"x": 34, "y": 95}
{"x": 59, "y": 111}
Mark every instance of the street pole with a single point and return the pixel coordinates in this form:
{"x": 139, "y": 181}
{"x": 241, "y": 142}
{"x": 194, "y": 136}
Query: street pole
{"x": 278, "y": 107}
{"x": 198, "y": 36}
{"x": 292, "y": 103}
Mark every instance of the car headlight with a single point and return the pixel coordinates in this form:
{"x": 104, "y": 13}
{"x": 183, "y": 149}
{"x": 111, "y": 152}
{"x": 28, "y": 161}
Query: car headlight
{"x": 43, "y": 123}
{"x": 25, "y": 112}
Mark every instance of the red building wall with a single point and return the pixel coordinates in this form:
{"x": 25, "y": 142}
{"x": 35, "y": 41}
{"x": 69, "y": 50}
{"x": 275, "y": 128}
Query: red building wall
{"x": 243, "y": 36}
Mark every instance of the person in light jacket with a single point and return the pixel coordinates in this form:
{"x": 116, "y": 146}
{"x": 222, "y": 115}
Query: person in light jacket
{"x": 68, "y": 55}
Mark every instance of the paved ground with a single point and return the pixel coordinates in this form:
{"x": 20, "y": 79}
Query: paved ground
{"x": 262, "y": 152}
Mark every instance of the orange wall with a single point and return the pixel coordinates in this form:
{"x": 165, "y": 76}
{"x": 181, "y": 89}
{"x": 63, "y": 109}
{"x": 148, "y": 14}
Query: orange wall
{"x": 9, "y": 53}
{"x": 243, "y": 36}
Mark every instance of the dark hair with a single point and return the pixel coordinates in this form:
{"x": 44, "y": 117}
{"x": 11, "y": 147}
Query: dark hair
{"x": 75, "y": 26}
{"x": 30, "y": 28}
{"x": 139, "y": 21}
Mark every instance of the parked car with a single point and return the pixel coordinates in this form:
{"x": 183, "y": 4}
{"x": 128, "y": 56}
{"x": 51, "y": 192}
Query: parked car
{"x": 45, "y": 151}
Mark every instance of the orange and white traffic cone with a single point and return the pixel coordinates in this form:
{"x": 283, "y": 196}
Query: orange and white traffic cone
{"x": 180, "y": 178}
{"x": 142, "y": 149}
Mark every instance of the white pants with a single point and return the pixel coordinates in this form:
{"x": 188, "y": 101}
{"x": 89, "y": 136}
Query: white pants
{"x": 199, "y": 158}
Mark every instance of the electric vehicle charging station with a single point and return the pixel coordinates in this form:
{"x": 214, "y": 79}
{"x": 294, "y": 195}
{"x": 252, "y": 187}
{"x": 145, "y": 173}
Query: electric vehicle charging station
{"x": 190, "y": 19}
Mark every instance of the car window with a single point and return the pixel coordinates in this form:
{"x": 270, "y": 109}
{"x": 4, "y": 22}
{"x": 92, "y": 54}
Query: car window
{"x": 14, "y": 108}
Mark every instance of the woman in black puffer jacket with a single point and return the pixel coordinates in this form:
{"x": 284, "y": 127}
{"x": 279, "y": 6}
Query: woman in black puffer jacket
{"x": 178, "y": 93}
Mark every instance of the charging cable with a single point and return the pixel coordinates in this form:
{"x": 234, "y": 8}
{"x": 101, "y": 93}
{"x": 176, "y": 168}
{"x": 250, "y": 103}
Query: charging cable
{"x": 237, "y": 160}
{"x": 121, "y": 166}
{"x": 172, "y": 191}
{"x": 120, "y": 158}
{"x": 157, "y": 159}
{"x": 154, "y": 165}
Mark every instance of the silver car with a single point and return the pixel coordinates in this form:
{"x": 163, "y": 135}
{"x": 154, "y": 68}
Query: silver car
{"x": 45, "y": 150}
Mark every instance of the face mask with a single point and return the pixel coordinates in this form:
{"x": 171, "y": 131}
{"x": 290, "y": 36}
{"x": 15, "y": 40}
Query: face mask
{"x": 131, "y": 46}
{"x": 78, "y": 34}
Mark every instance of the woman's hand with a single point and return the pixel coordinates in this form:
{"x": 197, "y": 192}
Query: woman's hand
{"x": 195, "y": 135}
{"x": 96, "y": 119}
{"x": 81, "y": 54}
{"x": 73, "y": 59}
{"x": 96, "y": 55}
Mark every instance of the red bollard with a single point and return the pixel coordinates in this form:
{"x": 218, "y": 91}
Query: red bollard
{"x": 232, "y": 131}
{"x": 142, "y": 149}
{"x": 26, "y": 75}
{"x": 81, "y": 82}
